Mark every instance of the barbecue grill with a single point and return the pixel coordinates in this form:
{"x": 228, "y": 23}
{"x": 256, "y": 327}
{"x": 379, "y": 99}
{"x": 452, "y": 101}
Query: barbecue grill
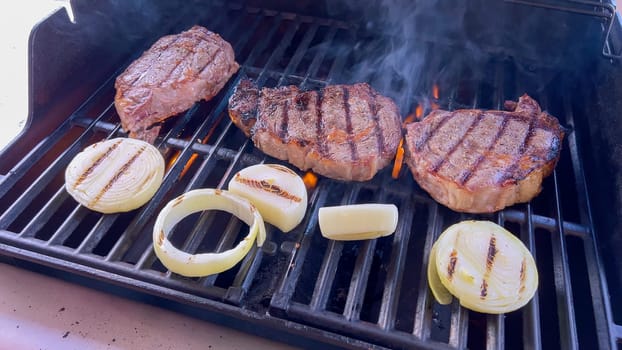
{"x": 300, "y": 287}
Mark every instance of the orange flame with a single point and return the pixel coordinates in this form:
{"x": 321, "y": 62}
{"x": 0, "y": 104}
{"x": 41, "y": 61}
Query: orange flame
{"x": 419, "y": 111}
{"x": 399, "y": 160}
{"x": 435, "y": 92}
{"x": 310, "y": 180}
{"x": 409, "y": 118}
{"x": 192, "y": 158}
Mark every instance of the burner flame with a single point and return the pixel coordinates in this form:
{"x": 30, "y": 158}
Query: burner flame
{"x": 310, "y": 180}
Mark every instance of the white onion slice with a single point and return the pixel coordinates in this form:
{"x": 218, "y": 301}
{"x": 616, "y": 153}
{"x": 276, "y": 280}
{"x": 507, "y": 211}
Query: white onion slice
{"x": 440, "y": 293}
{"x": 195, "y": 265}
{"x": 358, "y": 221}
{"x": 116, "y": 175}
{"x": 486, "y": 267}
{"x": 277, "y": 191}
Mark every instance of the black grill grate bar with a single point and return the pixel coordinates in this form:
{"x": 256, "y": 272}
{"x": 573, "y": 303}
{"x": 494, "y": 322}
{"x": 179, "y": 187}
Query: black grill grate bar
{"x": 278, "y": 53}
{"x": 225, "y": 241}
{"x": 547, "y": 223}
{"x": 360, "y": 275}
{"x": 290, "y": 77}
{"x": 459, "y": 325}
{"x": 598, "y": 282}
{"x": 531, "y": 318}
{"x": 568, "y": 330}
{"x": 244, "y": 278}
{"x": 317, "y": 60}
{"x": 303, "y": 47}
{"x": 495, "y": 325}
{"x": 561, "y": 269}
{"x": 46, "y": 177}
{"x": 395, "y": 271}
{"x": 45, "y": 214}
{"x": 495, "y": 332}
{"x": 145, "y": 214}
{"x": 423, "y": 318}
{"x": 398, "y": 340}
{"x": 89, "y": 242}
{"x": 283, "y": 295}
{"x": 97, "y": 263}
{"x": 326, "y": 277}
{"x": 459, "y": 319}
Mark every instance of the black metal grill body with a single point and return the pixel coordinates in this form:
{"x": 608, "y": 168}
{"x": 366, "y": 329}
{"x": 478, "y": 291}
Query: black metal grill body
{"x": 301, "y": 287}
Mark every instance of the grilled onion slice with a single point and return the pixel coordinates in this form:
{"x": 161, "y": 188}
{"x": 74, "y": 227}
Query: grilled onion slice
{"x": 116, "y": 175}
{"x": 357, "y": 221}
{"x": 195, "y": 265}
{"x": 441, "y": 294}
{"x": 486, "y": 267}
{"x": 277, "y": 191}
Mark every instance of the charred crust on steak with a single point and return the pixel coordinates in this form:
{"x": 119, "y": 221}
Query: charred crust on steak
{"x": 480, "y": 161}
{"x": 345, "y": 132}
{"x": 243, "y": 105}
{"x": 168, "y": 78}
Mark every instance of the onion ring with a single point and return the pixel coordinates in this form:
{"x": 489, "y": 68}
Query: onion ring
{"x": 195, "y": 265}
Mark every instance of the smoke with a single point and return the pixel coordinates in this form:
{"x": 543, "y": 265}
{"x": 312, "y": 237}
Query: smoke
{"x": 404, "y": 47}
{"x": 395, "y": 49}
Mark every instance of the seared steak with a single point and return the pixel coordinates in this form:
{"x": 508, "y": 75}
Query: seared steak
{"x": 345, "y": 132}
{"x": 170, "y": 77}
{"x": 482, "y": 161}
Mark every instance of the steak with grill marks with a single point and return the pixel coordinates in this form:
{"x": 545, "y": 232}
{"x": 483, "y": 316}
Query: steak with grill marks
{"x": 177, "y": 71}
{"x": 345, "y": 132}
{"x": 482, "y": 161}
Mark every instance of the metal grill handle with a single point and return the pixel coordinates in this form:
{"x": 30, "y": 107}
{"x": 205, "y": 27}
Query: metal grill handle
{"x": 597, "y": 9}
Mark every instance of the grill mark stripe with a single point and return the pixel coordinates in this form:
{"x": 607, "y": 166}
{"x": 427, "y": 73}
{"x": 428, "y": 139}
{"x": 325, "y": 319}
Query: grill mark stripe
{"x": 453, "y": 260}
{"x": 455, "y": 146}
{"x": 346, "y": 107}
{"x": 373, "y": 107}
{"x": 432, "y": 132}
{"x": 473, "y": 168}
{"x": 178, "y": 63}
{"x": 284, "y": 122}
{"x": 523, "y": 276}
{"x": 211, "y": 59}
{"x": 96, "y": 164}
{"x": 268, "y": 187}
{"x": 521, "y": 150}
{"x": 483, "y": 289}
{"x": 118, "y": 175}
{"x": 153, "y": 62}
{"x": 490, "y": 261}
{"x": 319, "y": 128}
{"x": 492, "y": 253}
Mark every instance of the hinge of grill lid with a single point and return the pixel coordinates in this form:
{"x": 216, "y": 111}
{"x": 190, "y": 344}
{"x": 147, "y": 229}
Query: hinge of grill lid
{"x": 601, "y": 10}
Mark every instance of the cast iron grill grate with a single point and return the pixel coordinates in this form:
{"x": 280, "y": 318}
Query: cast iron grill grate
{"x": 360, "y": 294}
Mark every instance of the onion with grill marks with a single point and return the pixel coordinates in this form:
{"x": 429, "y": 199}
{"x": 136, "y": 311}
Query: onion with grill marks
{"x": 116, "y": 175}
{"x": 278, "y": 193}
{"x": 486, "y": 267}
